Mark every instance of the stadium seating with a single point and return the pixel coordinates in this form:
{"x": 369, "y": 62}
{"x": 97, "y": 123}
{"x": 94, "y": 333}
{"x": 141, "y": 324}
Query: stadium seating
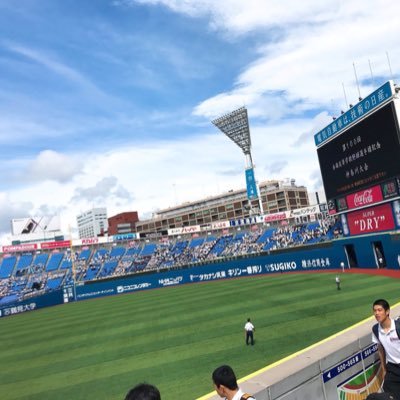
{"x": 196, "y": 242}
{"x": 24, "y": 261}
{"x": 54, "y": 283}
{"x": 27, "y": 273}
{"x": 84, "y": 255}
{"x": 40, "y": 261}
{"x": 148, "y": 249}
{"x": 7, "y": 266}
{"x": 54, "y": 262}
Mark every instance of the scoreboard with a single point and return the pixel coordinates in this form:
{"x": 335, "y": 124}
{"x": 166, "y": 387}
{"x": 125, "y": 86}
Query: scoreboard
{"x": 360, "y": 165}
{"x": 364, "y": 155}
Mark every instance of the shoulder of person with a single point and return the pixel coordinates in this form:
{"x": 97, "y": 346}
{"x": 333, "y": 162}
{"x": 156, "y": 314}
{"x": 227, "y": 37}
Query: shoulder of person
{"x": 246, "y": 396}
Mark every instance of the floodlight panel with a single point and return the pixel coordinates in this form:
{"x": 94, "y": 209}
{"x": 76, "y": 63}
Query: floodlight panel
{"x": 235, "y": 125}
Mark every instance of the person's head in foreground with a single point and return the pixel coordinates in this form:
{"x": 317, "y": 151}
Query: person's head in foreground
{"x": 143, "y": 391}
{"x": 225, "y": 381}
{"x": 381, "y": 310}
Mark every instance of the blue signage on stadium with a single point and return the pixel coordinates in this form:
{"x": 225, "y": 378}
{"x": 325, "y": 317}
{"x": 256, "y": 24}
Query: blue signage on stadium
{"x": 251, "y": 184}
{"x": 343, "y": 366}
{"x": 349, "y": 362}
{"x": 361, "y": 109}
{"x": 34, "y": 303}
{"x": 122, "y": 237}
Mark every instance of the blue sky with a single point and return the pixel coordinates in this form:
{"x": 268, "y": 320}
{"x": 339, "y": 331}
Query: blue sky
{"x": 109, "y": 102}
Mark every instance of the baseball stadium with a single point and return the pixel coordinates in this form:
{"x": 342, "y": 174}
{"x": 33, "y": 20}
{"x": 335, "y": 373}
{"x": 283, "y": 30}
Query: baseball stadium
{"x": 167, "y": 304}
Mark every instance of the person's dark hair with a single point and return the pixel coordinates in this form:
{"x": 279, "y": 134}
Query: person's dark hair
{"x": 224, "y": 375}
{"x": 381, "y": 302}
{"x": 143, "y": 391}
{"x": 248, "y": 319}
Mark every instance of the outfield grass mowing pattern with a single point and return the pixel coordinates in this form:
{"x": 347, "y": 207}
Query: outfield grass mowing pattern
{"x": 175, "y": 337}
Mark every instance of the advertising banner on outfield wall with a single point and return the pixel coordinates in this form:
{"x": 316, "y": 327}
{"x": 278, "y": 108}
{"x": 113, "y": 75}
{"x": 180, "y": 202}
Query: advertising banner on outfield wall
{"x": 34, "y": 303}
{"x": 318, "y": 259}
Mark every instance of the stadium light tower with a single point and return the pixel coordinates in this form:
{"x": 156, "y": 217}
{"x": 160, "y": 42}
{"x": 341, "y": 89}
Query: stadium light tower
{"x": 235, "y": 125}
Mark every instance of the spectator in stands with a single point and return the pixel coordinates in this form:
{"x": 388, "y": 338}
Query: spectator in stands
{"x": 143, "y": 391}
{"x": 226, "y": 385}
{"x": 385, "y": 334}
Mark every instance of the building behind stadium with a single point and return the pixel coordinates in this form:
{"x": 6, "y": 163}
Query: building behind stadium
{"x": 276, "y": 197}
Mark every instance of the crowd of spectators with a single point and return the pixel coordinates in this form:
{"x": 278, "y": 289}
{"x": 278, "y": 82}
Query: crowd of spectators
{"x": 103, "y": 263}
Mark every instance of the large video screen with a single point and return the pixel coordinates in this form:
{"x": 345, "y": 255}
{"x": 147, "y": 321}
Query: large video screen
{"x": 364, "y": 155}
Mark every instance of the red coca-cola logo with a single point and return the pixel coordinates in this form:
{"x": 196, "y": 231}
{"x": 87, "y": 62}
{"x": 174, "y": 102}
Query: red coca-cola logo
{"x": 363, "y": 198}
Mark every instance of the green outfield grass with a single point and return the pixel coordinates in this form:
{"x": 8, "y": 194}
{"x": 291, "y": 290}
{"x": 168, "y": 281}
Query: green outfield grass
{"x": 175, "y": 337}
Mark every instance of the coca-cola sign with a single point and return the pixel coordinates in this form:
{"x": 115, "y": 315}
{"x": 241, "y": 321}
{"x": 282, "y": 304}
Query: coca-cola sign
{"x": 372, "y": 219}
{"x": 365, "y": 197}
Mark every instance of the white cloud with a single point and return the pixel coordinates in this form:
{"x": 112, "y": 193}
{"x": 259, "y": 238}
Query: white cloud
{"x": 10, "y": 209}
{"x": 307, "y": 63}
{"x": 240, "y": 17}
{"x": 303, "y": 52}
{"x": 101, "y": 191}
{"x": 52, "y": 65}
{"x": 51, "y": 165}
{"x": 165, "y": 173}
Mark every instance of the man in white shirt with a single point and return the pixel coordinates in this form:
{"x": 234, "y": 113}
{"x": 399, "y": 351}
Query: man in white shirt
{"x": 388, "y": 347}
{"x": 248, "y": 332}
{"x": 337, "y": 280}
{"x": 226, "y": 386}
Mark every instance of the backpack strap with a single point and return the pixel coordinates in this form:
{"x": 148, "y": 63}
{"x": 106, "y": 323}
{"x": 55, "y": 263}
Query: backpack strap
{"x": 396, "y": 323}
{"x": 375, "y": 331}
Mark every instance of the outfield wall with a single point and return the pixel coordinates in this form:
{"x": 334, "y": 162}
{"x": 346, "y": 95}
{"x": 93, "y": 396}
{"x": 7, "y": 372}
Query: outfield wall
{"x": 304, "y": 260}
{"x": 33, "y": 303}
{"x": 321, "y": 258}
